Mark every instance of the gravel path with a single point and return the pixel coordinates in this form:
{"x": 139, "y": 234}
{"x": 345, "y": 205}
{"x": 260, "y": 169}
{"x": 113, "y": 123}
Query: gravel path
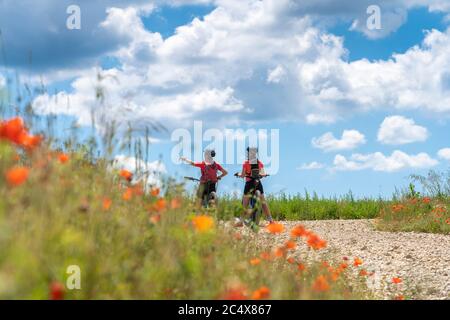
{"x": 421, "y": 260}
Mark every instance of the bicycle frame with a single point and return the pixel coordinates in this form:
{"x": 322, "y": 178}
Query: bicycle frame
{"x": 255, "y": 200}
{"x": 206, "y": 198}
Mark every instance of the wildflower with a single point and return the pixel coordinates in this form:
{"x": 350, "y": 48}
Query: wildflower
{"x": 261, "y": 293}
{"x": 343, "y": 266}
{"x": 363, "y": 273}
{"x": 56, "y": 291}
{"x": 106, "y": 203}
{"x": 345, "y": 258}
{"x": 315, "y": 242}
{"x": 279, "y": 252}
{"x": 426, "y": 200}
{"x": 127, "y": 175}
{"x": 155, "y": 218}
{"x": 12, "y": 129}
{"x": 396, "y": 280}
{"x": 325, "y": 264}
{"x": 236, "y": 293}
{"x": 29, "y": 142}
{"x": 334, "y": 275}
{"x": 175, "y": 203}
{"x": 398, "y": 207}
{"x": 160, "y": 205}
{"x": 399, "y": 297}
{"x": 290, "y": 260}
{"x": 298, "y": 231}
{"x": 155, "y": 192}
{"x": 138, "y": 190}
{"x": 255, "y": 261}
{"x": 321, "y": 284}
{"x": 301, "y": 267}
{"x": 128, "y": 194}
{"x": 447, "y": 221}
{"x": 203, "y": 223}
{"x": 17, "y": 176}
{"x": 265, "y": 255}
{"x": 290, "y": 245}
{"x": 357, "y": 262}
{"x": 275, "y": 228}
{"x": 63, "y": 158}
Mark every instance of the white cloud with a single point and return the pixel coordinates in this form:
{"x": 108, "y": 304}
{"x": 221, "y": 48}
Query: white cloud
{"x": 2, "y": 81}
{"x": 311, "y": 166}
{"x": 276, "y": 75}
{"x": 397, "y": 130}
{"x": 444, "y": 154}
{"x": 350, "y": 139}
{"x": 320, "y": 119}
{"x": 377, "y": 161}
{"x": 415, "y": 80}
{"x": 223, "y": 65}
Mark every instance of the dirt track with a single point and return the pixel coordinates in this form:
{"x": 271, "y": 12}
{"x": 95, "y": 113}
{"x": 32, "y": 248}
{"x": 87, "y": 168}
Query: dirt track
{"x": 421, "y": 260}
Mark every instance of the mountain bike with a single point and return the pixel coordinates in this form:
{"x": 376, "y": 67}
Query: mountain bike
{"x": 209, "y": 198}
{"x": 255, "y": 204}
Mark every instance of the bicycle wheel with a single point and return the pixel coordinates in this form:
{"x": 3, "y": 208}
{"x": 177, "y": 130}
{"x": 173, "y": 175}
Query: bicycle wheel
{"x": 257, "y": 209}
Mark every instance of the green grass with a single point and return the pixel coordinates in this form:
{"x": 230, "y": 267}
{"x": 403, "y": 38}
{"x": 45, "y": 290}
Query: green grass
{"x": 429, "y": 215}
{"x": 301, "y": 207}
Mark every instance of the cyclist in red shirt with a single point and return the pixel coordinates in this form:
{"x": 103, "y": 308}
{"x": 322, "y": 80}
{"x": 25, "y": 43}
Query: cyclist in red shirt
{"x": 209, "y": 178}
{"x": 253, "y": 163}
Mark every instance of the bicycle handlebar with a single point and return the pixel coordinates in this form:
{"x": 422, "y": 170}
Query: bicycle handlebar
{"x": 198, "y": 180}
{"x": 191, "y": 179}
{"x": 237, "y": 175}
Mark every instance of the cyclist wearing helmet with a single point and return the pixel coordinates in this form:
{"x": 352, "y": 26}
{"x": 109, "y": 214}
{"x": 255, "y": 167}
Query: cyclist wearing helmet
{"x": 208, "y": 180}
{"x": 251, "y": 167}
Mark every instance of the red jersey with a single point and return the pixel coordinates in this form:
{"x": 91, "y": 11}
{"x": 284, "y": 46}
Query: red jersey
{"x": 209, "y": 171}
{"x": 247, "y": 168}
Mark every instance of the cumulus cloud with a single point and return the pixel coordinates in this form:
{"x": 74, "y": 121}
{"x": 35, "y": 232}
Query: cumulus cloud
{"x": 396, "y": 130}
{"x": 228, "y": 61}
{"x": 311, "y": 166}
{"x": 415, "y": 80}
{"x": 444, "y": 154}
{"x": 276, "y": 75}
{"x": 350, "y": 139}
{"x": 377, "y": 161}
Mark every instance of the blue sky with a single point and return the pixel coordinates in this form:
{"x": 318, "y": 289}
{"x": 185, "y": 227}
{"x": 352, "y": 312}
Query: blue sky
{"x": 350, "y": 115}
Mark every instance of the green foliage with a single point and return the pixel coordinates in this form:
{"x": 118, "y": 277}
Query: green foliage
{"x": 411, "y": 211}
{"x": 298, "y": 207}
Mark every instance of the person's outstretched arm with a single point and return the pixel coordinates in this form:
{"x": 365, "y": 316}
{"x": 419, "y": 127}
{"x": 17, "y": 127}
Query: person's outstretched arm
{"x": 192, "y": 163}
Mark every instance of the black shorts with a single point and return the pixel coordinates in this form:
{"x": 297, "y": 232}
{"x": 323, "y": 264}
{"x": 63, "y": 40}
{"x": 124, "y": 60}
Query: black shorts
{"x": 205, "y": 188}
{"x": 251, "y": 186}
